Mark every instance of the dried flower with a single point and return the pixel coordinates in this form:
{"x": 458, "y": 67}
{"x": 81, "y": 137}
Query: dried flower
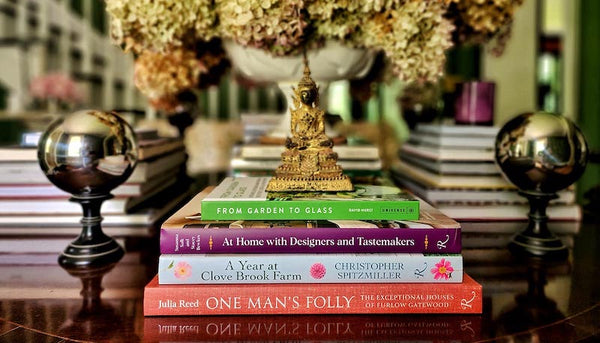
{"x": 274, "y": 25}
{"x": 162, "y": 76}
{"x": 414, "y": 38}
{"x": 413, "y": 34}
{"x": 480, "y": 21}
{"x": 159, "y": 24}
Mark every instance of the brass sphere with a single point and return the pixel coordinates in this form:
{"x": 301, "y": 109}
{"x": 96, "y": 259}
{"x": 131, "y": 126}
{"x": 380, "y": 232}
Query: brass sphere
{"x": 88, "y": 153}
{"x": 541, "y": 153}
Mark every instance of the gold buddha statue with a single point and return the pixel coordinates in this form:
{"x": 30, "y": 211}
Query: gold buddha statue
{"x": 308, "y": 162}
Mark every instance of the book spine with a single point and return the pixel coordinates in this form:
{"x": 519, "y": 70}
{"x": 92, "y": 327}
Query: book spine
{"x": 310, "y": 268}
{"x": 457, "y": 328}
{"x": 308, "y": 240}
{"x": 312, "y": 299}
{"x": 310, "y": 210}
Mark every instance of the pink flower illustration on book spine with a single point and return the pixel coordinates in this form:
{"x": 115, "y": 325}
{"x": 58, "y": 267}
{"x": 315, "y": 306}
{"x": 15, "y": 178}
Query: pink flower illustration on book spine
{"x": 183, "y": 270}
{"x": 317, "y": 270}
{"x": 442, "y": 270}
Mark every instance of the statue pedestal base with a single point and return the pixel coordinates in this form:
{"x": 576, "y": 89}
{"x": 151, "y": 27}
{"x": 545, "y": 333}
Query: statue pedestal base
{"x": 316, "y": 184}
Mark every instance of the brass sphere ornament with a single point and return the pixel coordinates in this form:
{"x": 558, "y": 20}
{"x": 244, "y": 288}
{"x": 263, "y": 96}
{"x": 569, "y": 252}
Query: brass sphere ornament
{"x": 540, "y": 153}
{"x": 88, "y": 153}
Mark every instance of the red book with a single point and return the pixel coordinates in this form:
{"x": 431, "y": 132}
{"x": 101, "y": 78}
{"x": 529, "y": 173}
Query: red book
{"x": 346, "y": 328}
{"x": 332, "y": 298}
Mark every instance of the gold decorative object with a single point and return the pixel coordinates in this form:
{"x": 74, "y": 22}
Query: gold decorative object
{"x": 308, "y": 162}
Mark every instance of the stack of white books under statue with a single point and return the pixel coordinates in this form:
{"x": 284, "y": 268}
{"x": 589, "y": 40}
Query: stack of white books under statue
{"x": 453, "y": 168}
{"x": 253, "y": 158}
{"x": 36, "y": 216}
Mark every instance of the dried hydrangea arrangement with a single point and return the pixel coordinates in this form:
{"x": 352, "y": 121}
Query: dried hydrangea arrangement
{"x": 274, "y": 25}
{"x": 481, "y": 21}
{"x": 413, "y": 34}
{"x": 161, "y": 76}
{"x": 160, "y": 25}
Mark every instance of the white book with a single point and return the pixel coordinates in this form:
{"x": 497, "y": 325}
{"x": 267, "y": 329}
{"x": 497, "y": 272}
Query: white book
{"x": 309, "y": 268}
{"x": 453, "y": 167}
{"x": 73, "y": 231}
{"x": 403, "y": 170}
{"x": 17, "y": 153}
{"x": 29, "y": 172}
{"x": 48, "y": 190}
{"x": 247, "y": 164}
{"x": 56, "y": 206}
{"x": 145, "y": 217}
{"x": 146, "y": 170}
{"x": 458, "y": 130}
{"x": 507, "y": 212}
{"x": 462, "y": 141}
{"x": 38, "y": 244}
{"x": 473, "y": 196}
{"x": 345, "y": 152}
{"x": 447, "y": 154}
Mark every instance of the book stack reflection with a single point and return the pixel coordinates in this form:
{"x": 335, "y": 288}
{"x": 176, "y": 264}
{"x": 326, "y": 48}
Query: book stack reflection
{"x": 397, "y": 328}
{"x": 331, "y": 261}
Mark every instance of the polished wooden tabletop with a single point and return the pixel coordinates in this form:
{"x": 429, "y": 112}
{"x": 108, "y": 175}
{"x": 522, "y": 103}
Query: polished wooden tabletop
{"x": 523, "y": 302}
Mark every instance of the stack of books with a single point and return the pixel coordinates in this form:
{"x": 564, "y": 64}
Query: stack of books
{"x": 36, "y": 216}
{"x": 237, "y": 250}
{"x": 255, "y": 158}
{"x": 262, "y": 159}
{"x": 453, "y": 168}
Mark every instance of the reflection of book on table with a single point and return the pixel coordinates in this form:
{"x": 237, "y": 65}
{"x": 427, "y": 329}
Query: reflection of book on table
{"x": 325, "y": 298}
{"x": 185, "y": 232}
{"x": 309, "y": 268}
{"x": 113, "y": 165}
{"x": 466, "y": 328}
{"x": 246, "y": 198}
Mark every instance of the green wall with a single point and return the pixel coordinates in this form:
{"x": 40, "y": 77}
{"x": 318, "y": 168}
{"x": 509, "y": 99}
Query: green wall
{"x": 589, "y": 87}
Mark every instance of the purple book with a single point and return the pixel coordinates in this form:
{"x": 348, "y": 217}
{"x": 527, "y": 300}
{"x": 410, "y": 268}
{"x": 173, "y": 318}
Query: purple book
{"x": 186, "y": 233}
{"x": 321, "y": 236}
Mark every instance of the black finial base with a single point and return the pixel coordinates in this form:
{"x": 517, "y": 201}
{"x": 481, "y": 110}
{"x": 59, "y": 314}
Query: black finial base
{"x": 537, "y": 240}
{"x": 92, "y": 248}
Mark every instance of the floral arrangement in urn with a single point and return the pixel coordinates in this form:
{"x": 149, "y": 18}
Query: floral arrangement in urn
{"x": 184, "y": 36}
